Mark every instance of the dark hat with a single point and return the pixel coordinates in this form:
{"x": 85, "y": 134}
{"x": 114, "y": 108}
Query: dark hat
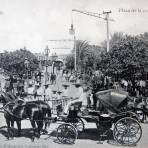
{"x": 59, "y": 92}
{"x": 77, "y": 84}
{"x": 46, "y": 84}
{"x": 54, "y": 91}
{"x": 65, "y": 85}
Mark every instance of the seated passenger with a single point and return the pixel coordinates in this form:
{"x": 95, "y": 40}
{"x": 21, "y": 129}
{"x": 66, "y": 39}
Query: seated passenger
{"x": 81, "y": 101}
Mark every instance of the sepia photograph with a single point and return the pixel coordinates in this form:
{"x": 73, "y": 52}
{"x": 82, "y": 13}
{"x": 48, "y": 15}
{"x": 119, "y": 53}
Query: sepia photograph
{"x": 73, "y": 73}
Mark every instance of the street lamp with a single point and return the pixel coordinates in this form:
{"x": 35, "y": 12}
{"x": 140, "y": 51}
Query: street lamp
{"x": 72, "y": 32}
{"x": 54, "y": 58}
{"x": 40, "y": 62}
{"x": 26, "y": 63}
{"x": 47, "y": 50}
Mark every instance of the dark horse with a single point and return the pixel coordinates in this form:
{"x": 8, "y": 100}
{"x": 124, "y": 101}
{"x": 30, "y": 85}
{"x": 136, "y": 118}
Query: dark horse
{"x": 17, "y": 110}
{"x": 9, "y": 101}
{"x": 35, "y": 111}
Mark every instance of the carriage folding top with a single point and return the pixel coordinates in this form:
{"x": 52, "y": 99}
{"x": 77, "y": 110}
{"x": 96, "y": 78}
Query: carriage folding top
{"x": 113, "y": 100}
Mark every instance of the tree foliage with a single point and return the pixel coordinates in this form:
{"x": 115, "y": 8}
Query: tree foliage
{"x": 88, "y": 57}
{"x": 13, "y": 62}
{"x": 70, "y": 62}
{"x": 126, "y": 53}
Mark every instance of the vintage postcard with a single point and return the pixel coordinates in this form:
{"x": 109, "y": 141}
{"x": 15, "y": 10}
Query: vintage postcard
{"x": 73, "y": 73}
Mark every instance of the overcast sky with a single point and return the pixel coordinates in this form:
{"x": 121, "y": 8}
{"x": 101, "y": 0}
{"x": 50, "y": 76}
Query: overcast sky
{"x": 31, "y": 23}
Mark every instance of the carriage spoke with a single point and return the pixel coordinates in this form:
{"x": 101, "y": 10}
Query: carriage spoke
{"x": 128, "y": 134}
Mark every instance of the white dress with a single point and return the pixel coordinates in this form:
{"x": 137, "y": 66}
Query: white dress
{"x": 79, "y": 98}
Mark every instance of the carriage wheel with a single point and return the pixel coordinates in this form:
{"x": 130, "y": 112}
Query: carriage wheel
{"x": 127, "y": 131}
{"x": 78, "y": 124}
{"x": 67, "y": 134}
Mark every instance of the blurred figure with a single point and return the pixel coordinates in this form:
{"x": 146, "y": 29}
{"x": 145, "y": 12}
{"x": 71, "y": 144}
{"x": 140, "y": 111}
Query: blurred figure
{"x": 38, "y": 92}
{"x": 48, "y": 94}
{"x": 65, "y": 90}
{"x": 59, "y": 109}
{"x": 142, "y": 84}
{"x": 30, "y": 90}
{"x": 53, "y": 78}
{"x": 76, "y": 99}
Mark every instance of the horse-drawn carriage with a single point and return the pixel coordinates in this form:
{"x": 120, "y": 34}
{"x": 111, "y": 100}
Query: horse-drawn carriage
{"x": 111, "y": 113}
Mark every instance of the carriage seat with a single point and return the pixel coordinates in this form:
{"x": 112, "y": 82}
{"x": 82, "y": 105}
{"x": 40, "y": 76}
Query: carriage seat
{"x": 105, "y": 117}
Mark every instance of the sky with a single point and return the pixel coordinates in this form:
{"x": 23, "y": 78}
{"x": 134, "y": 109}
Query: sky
{"x": 31, "y": 23}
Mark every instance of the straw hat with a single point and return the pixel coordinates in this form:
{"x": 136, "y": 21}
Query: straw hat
{"x": 46, "y": 84}
{"x": 37, "y": 84}
{"x": 59, "y": 91}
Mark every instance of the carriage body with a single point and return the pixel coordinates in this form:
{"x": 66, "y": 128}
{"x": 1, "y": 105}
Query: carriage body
{"x": 112, "y": 113}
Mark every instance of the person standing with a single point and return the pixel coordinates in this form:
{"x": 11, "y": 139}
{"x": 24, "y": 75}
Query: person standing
{"x": 65, "y": 91}
{"x": 39, "y": 92}
{"x": 48, "y": 94}
{"x": 30, "y": 91}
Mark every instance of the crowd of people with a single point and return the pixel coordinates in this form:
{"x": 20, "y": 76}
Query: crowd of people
{"x": 84, "y": 92}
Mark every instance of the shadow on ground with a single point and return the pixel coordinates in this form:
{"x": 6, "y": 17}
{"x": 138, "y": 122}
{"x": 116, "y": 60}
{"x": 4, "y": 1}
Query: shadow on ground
{"x": 88, "y": 134}
{"x": 27, "y": 133}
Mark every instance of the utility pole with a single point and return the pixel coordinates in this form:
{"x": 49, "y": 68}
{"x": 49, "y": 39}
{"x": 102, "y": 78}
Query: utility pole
{"x": 47, "y": 50}
{"x": 107, "y": 19}
{"x": 107, "y": 27}
{"x": 72, "y": 32}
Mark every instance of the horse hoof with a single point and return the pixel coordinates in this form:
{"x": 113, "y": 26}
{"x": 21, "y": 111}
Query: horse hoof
{"x": 12, "y": 138}
{"x": 32, "y": 138}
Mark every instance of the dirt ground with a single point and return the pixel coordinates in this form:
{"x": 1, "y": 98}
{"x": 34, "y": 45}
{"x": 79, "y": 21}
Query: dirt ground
{"x": 89, "y": 138}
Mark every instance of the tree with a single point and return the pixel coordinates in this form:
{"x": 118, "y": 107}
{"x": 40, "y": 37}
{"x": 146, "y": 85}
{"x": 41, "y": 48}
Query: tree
{"x": 126, "y": 53}
{"x": 88, "y": 57}
{"x": 13, "y": 62}
{"x": 70, "y": 62}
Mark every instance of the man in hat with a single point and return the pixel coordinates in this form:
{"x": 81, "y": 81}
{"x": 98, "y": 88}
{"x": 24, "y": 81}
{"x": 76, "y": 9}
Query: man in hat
{"x": 48, "y": 94}
{"x": 20, "y": 87}
{"x": 81, "y": 98}
{"x": 38, "y": 92}
{"x": 31, "y": 90}
{"x": 7, "y": 84}
{"x": 65, "y": 90}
